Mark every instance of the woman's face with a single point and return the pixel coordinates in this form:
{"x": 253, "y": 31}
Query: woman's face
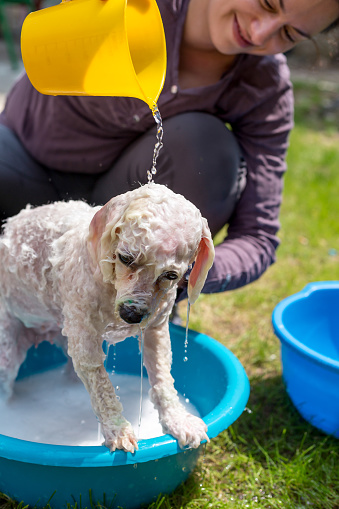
{"x": 265, "y": 27}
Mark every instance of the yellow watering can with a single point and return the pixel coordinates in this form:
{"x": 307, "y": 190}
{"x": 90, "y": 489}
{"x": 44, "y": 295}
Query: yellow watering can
{"x": 96, "y": 47}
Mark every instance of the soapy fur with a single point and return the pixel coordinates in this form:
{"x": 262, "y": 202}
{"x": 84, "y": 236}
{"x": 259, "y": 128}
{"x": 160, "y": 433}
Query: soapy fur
{"x": 76, "y": 275}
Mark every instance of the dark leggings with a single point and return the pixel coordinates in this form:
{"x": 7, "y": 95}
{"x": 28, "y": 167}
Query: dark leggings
{"x": 200, "y": 159}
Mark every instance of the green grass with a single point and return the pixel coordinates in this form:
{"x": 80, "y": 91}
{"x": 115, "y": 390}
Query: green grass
{"x": 270, "y": 457}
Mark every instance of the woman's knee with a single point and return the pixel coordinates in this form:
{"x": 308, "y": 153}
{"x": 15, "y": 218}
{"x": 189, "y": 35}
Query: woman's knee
{"x": 22, "y": 180}
{"x": 203, "y": 162}
{"x": 202, "y": 137}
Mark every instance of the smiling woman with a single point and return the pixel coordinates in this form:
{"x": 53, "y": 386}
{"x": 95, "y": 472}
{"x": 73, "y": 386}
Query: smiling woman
{"x": 225, "y": 67}
{"x": 258, "y": 27}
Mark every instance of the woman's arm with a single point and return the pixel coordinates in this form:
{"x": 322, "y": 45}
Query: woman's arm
{"x": 251, "y": 242}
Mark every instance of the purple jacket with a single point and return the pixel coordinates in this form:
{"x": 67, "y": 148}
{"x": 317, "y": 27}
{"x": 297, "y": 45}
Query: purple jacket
{"x": 86, "y": 134}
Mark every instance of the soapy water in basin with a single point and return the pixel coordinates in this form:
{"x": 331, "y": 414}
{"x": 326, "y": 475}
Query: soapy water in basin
{"x": 51, "y": 408}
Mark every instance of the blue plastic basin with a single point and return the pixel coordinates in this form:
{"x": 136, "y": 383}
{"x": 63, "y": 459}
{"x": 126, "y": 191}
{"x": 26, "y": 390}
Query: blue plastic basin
{"x": 307, "y": 325}
{"x": 214, "y": 381}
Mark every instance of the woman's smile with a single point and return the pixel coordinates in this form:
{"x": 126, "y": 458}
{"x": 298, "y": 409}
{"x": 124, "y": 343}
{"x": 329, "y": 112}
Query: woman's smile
{"x": 239, "y": 36}
{"x": 257, "y": 27}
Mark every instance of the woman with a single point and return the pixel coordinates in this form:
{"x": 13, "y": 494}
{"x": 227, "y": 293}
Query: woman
{"x": 221, "y": 69}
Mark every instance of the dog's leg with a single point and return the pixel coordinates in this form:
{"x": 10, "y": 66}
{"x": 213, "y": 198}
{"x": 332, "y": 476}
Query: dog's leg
{"x": 188, "y": 429}
{"x": 117, "y": 431}
{"x": 13, "y": 350}
{"x": 87, "y": 357}
{"x": 61, "y": 341}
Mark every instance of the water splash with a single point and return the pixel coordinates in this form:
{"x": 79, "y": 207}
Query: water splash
{"x": 100, "y": 436}
{"x": 106, "y": 348}
{"x": 185, "y": 359}
{"x": 114, "y": 347}
{"x": 158, "y": 144}
{"x": 141, "y": 346}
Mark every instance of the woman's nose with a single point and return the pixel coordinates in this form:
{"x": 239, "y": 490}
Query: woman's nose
{"x": 263, "y": 28}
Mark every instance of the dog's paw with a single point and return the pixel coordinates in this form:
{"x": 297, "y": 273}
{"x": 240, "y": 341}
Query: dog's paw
{"x": 120, "y": 437}
{"x": 188, "y": 429}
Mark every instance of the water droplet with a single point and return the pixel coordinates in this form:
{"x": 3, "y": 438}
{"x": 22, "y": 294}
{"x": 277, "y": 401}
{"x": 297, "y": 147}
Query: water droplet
{"x": 117, "y": 388}
{"x": 141, "y": 340}
{"x": 113, "y": 346}
{"x": 99, "y": 432}
{"x": 185, "y": 359}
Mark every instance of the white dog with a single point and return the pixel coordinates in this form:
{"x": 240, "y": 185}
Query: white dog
{"x": 102, "y": 273}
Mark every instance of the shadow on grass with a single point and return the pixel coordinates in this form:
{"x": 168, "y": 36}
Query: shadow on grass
{"x": 271, "y": 424}
{"x": 270, "y": 455}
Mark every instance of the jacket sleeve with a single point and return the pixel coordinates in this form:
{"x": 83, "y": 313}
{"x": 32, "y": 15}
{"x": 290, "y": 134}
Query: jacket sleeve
{"x": 251, "y": 242}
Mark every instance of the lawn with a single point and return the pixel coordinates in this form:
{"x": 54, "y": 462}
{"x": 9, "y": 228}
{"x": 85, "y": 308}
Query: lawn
{"x": 271, "y": 458}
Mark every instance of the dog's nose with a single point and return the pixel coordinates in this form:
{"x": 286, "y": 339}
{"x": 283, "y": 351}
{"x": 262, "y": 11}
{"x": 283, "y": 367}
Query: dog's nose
{"x": 130, "y": 314}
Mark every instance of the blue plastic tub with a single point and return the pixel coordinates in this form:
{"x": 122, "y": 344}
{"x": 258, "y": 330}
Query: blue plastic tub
{"x": 307, "y": 325}
{"x": 214, "y": 381}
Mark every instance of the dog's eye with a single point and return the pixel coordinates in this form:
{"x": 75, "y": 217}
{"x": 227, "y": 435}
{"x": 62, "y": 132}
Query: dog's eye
{"x": 126, "y": 259}
{"x": 170, "y": 275}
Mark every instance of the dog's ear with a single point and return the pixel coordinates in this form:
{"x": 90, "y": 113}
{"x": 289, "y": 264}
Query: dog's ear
{"x": 102, "y": 231}
{"x": 96, "y": 229}
{"x": 203, "y": 263}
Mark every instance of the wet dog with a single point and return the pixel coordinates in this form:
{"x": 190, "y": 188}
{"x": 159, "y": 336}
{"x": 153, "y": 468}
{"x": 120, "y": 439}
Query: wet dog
{"x": 102, "y": 273}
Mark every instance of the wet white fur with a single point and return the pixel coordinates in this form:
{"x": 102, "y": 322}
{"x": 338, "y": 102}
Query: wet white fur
{"x": 61, "y": 280}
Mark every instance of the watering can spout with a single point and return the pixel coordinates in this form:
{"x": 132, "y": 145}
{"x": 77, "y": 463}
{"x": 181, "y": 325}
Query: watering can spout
{"x": 96, "y": 47}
